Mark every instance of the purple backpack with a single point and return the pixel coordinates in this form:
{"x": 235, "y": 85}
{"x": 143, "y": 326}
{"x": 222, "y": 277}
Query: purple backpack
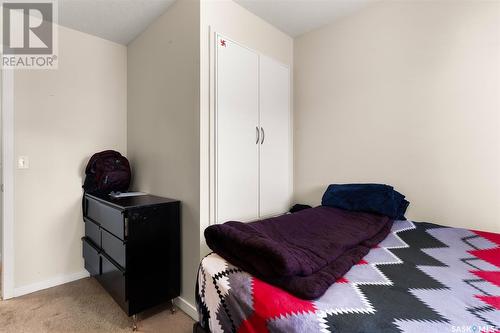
{"x": 106, "y": 172}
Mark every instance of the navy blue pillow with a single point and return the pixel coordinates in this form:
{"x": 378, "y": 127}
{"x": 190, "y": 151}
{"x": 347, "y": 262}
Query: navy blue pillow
{"x": 371, "y": 198}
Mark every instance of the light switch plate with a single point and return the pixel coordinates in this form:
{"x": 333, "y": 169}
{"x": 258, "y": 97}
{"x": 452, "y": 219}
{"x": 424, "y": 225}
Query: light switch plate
{"x": 23, "y": 162}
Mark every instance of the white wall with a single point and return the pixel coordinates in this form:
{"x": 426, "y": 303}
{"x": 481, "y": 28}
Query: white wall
{"x": 163, "y": 121}
{"x": 1, "y": 173}
{"x": 62, "y": 117}
{"x": 405, "y": 93}
{"x": 233, "y": 21}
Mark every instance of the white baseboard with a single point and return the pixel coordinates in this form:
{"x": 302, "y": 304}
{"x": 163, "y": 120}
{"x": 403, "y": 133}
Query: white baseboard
{"x": 187, "y": 307}
{"x": 180, "y": 302}
{"x": 55, "y": 281}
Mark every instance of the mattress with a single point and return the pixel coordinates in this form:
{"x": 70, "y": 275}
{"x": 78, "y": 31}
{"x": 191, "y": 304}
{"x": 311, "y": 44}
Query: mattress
{"x": 422, "y": 278}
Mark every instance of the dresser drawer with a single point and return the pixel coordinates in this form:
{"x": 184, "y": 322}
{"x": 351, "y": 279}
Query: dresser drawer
{"x": 108, "y": 217}
{"x": 131, "y": 247}
{"x": 91, "y": 257}
{"x": 92, "y": 231}
{"x": 114, "y": 247}
{"x": 112, "y": 279}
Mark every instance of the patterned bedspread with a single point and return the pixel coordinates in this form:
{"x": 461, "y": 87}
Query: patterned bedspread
{"x": 421, "y": 278}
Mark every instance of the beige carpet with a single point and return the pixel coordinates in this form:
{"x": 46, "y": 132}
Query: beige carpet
{"x": 82, "y": 306}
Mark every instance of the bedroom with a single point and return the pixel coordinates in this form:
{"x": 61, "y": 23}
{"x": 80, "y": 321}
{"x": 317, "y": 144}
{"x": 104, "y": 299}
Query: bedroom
{"x": 405, "y": 93}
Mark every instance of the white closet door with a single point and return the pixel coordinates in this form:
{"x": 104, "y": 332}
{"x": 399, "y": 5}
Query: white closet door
{"x": 275, "y": 189}
{"x": 237, "y": 104}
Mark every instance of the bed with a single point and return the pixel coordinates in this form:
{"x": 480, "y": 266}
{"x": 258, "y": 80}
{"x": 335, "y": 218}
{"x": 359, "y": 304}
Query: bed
{"x": 421, "y": 278}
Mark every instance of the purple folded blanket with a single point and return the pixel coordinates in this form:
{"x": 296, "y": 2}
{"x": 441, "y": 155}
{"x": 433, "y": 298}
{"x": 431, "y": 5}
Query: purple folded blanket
{"x": 303, "y": 253}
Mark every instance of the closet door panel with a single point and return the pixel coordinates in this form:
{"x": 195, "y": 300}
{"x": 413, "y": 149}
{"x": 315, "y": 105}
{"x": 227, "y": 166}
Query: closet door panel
{"x": 237, "y": 154}
{"x": 275, "y": 189}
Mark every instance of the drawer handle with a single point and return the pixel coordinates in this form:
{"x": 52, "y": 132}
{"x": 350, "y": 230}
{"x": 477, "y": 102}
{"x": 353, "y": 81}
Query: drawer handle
{"x": 126, "y": 227}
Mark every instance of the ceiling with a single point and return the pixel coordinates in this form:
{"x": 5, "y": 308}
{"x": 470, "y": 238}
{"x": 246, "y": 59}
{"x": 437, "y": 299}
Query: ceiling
{"x": 296, "y": 17}
{"x": 116, "y": 20}
{"x": 122, "y": 20}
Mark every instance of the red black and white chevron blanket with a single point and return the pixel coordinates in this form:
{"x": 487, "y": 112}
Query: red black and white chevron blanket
{"x": 422, "y": 278}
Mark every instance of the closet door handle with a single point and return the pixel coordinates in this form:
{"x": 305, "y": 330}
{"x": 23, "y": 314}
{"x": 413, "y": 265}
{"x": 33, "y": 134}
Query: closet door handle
{"x": 256, "y": 135}
{"x": 263, "y": 135}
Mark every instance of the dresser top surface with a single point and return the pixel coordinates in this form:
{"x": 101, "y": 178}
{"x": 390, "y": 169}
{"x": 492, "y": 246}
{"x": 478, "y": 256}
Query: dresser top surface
{"x": 132, "y": 202}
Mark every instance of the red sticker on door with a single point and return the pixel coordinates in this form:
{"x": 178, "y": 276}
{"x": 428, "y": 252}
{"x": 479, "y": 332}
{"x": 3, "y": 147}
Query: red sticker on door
{"x": 222, "y": 43}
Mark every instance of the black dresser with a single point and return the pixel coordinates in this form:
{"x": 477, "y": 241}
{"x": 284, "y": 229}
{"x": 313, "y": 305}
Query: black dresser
{"x": 131, "y": 246}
